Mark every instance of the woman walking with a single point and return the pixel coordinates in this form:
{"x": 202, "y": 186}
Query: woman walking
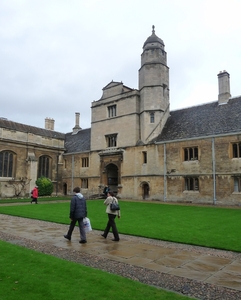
{"x": 34, "y": 195}
{"x": 111, "y": 217}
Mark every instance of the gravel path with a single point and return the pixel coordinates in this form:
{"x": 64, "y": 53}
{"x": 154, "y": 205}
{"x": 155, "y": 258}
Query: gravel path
{"x": 192, "y": 288}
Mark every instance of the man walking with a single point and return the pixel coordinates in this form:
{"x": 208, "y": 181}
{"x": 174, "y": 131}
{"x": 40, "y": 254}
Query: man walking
{"x": 78, "y": 211}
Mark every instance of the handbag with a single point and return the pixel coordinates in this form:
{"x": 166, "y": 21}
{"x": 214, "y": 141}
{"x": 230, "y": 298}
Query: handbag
{"x": 87, "y": 224}
{"x": 114, "y": 206}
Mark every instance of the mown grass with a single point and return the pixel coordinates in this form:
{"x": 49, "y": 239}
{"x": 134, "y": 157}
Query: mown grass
{"x": 26, "y": 274}
{"x": 204, "y": 226}
{"x": 26, "y": 200}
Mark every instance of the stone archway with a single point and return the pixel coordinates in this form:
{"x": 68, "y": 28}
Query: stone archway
{"x": 112, "y": 177}
{"x": 65, "y": 188}
{"x": 110, "y": 169}
{"x": 145, "y": 190}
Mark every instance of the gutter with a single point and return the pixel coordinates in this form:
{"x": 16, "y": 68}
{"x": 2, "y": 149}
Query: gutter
{"x": 197, "y": 138}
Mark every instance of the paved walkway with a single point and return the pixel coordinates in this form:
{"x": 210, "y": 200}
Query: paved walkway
{"x": 222, "y": 268}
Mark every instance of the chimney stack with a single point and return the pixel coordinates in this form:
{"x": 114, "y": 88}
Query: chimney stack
{"x": 49, "y": 123}
{"x": 77, "y": 128}
{"x": 223, "y": 87}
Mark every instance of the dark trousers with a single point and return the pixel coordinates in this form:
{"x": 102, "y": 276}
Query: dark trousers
{"x": 34, "y": 200}
{"x": 111, "y": 224}
{"x": 81, "y": 228}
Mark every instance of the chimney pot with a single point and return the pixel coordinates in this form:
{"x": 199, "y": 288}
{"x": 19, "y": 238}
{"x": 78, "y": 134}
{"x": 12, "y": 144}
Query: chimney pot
{"x": 223, "y": 87}
{"x": 49, "y": 123}
{"x": 77, "y": 128}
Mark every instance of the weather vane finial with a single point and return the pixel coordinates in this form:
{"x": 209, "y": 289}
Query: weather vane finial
{"x": 153, "y": 29}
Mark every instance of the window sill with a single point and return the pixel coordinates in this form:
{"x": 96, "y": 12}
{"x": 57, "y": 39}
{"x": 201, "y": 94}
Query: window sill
{"x": 6, "y": 178}
{"x": 187, "y": 192}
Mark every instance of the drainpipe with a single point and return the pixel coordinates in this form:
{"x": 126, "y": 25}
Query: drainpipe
{"x": 72, "y": 174}
{"x": 57, "y": 174}
{"x": 165, "y": 173}
{"x": 214, "y": 171}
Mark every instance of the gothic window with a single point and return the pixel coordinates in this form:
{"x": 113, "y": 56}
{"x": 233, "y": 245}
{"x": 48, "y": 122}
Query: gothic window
{"x": 237, "y": 184}
{"x": 191, "y": 184}
{"x": 85, "y": 162}
{"x": 111, "y": 140}
{"x": 237, "y": 150}
{"x": 152, "y": 118}
{"x": 44, "y": 166}
{"x": 84, "y": 183}
{"x": 6, "y": 164}
{"x": 111, "y": 111}
{"x": 191, "y": 153}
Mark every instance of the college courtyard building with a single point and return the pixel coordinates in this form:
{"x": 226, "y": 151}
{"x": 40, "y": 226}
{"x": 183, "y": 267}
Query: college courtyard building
{"x": 136, "y": 145}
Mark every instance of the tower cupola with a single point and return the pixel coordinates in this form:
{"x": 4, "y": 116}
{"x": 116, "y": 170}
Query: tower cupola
{"x": 153, "y": 41}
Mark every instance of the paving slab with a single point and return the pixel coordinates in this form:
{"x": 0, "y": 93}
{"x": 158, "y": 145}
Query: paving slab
{"x": 222, "y": 268}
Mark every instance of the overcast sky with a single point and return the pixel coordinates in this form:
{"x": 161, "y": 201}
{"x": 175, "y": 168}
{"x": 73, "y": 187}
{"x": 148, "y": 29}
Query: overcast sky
{"x": 57, "y": 55}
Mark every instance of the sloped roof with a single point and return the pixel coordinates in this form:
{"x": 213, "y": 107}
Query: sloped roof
{"x": 5, "y": 123}
{"x": 78, "y": 142}
{"x": 203, "y": 120}
{"x": 115, "y": 84}
{"x": 114, "y": 89}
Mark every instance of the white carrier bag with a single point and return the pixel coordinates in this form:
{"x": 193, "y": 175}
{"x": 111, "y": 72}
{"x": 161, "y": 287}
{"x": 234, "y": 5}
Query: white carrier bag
{"x": 87, "y": 224}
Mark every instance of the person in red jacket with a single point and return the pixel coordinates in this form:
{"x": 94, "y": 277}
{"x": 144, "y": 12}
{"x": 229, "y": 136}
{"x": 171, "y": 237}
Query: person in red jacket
{"x": 35, "y": 195}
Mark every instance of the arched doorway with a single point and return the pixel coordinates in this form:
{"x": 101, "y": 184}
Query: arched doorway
{"x": 112, "y": 177}
{"x": 145, "y": 190}
{"x": 65, "y": 188}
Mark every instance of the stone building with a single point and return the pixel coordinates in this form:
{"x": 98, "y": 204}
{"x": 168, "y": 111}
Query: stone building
{"x": 136, "y": 145}
{"x": 26, "y": 153}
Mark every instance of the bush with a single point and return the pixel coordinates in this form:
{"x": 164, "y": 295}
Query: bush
{"x": 45, "y": 186}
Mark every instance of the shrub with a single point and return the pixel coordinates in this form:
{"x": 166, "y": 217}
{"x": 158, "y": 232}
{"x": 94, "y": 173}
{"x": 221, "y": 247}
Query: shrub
{"x": 45, "y": 186}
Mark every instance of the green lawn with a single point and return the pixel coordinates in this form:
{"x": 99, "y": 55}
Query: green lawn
{"x": 27, "y": 200}
{"x": 27, "y": 274}
{"x": 205, "y": 226}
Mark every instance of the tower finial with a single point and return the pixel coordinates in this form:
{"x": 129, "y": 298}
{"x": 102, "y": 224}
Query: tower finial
{"x": 153, "y": 29}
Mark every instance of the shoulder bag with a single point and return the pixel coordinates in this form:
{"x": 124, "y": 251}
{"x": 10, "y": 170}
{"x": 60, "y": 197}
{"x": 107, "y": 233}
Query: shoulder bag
{"x": 114, "y": 205}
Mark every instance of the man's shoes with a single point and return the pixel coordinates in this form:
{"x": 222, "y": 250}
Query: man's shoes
{"x": 115, "y": 240}
{"x": 82, "y": 241}
{"x": 67, "y": 237}
{"x": 103, "y": 236}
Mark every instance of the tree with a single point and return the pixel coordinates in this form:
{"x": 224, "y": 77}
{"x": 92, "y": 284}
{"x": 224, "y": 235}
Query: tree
{"x": 45, "y": 186}
{"x": 19, "y": 186}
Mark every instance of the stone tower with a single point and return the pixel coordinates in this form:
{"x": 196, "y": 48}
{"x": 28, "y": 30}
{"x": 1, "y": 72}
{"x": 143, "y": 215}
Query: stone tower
{"x": 154, "y": 88}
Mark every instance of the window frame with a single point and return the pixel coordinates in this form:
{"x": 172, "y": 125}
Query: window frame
{"x": 190, "y": 153}
{"x": 84, "y": 183}
{"x": 152, "y": 117}
{"x": 191, "y": 184}
{"x": 45, "y": 166}
{"x": 111, "y": 140}
{"x": 144, "y": 157}
{"x": 85, "y": 162}
{"x": 112, "y": 111}
{"x": 237, "y": 184}
{"x": 236, "y": 150}
{"x": 7, "y": 163}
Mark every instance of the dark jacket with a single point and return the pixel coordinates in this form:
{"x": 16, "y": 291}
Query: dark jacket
{"x": 78, "y": 208}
